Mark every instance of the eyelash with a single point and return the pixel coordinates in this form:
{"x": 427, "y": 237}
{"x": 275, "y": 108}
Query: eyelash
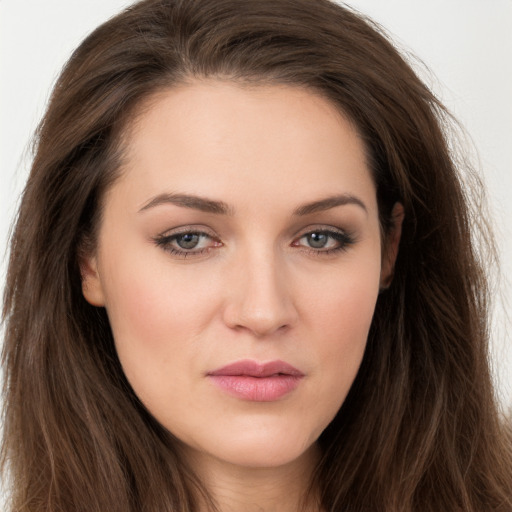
{"x": 165, "y": 242}
{"x": 343, "y": 239}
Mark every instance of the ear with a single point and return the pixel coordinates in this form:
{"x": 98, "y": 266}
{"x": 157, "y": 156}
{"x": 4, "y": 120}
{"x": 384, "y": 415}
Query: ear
{"x": 390, "y": 246}
{"x": 91, "y": 283}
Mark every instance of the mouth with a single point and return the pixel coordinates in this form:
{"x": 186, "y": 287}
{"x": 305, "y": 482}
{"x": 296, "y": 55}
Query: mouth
{"x": 257, "y": 382}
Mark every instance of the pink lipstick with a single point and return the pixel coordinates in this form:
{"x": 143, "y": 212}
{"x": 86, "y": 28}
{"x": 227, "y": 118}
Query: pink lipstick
{"x": 257, "y": 382}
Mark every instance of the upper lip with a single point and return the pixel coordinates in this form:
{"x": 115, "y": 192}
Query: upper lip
{"x": 251, "y": 368}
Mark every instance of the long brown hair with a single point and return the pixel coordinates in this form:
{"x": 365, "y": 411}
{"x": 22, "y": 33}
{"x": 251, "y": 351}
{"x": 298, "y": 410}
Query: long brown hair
{"x": 420, "y": 429}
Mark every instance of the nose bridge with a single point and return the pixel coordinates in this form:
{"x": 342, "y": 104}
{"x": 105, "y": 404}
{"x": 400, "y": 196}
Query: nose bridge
{"x": 260, "y": 300}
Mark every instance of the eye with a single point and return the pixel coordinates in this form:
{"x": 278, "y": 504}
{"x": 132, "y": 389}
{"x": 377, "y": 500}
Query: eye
{"x": 187, "y": 243}
{"x": 189, "y": 240}
{"x": 318, "y": 240}
{"x": 324, "y": 241}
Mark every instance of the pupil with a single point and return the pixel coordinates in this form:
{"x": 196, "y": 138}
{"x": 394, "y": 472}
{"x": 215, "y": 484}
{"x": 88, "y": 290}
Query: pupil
{"x": 187, "y": 241}
{"x": 317, "y": 240}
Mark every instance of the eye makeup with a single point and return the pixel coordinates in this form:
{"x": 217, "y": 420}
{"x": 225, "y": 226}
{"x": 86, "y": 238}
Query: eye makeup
{"x": 187, "y": 241}
{"x": 190, "y": 241}
{"x": 325, "y": 241}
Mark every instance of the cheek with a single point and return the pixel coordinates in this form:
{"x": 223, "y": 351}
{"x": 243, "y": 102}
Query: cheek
{"x": 343, "y": 312}
{"x": 343, "y": 303}
{"x": 156, "y": 317}
{"x": 149, "y": 300}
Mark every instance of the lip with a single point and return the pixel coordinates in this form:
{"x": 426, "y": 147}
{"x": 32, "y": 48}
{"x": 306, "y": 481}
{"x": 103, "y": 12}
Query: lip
{"x": 257, "y": 382}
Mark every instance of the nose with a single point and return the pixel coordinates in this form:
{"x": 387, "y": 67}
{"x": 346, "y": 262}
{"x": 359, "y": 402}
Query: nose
{"x": 260, "y": 300}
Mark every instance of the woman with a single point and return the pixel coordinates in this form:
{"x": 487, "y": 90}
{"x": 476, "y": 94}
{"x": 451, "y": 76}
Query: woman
{"x": 243, "y": 277}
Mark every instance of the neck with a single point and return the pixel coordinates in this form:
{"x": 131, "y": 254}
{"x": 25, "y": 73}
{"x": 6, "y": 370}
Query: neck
{"x": 259, "y": 489}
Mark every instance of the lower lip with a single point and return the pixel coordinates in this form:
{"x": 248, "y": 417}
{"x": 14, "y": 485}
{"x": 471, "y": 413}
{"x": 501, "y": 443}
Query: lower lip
{"x": 257, "y": 389}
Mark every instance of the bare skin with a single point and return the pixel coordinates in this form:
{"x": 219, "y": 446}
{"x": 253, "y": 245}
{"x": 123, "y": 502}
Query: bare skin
{"x": 244, "y": 229}
{"x": 281, "y": 489}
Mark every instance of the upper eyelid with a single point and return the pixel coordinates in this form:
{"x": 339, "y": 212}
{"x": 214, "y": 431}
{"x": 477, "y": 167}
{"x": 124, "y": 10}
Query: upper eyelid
{"x": 197, "y": 229}
{"x": 202, "y": 230}
{"x": 323, "y": 228}
{"x": 332, "y": 233}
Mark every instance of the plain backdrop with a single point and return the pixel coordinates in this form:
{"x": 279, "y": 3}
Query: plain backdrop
{"x": 466, "y": 44}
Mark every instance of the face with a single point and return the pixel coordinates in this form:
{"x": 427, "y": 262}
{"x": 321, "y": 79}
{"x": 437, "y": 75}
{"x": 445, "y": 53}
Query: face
{"x": 239, "y": 261}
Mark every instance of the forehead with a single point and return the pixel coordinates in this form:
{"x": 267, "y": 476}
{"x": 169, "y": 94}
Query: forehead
{"x": 221, "y": 138}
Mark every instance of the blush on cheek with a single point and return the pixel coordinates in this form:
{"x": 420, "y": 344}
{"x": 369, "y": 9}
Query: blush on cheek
{"x": 348, "y": 320}
{"x": 351, "y": 301}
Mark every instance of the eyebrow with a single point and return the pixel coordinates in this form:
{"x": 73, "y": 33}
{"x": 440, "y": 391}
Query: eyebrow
{"x": 221, "y": 208}
{"x": 188, "y": 201}
{"x": 328, "y": 203}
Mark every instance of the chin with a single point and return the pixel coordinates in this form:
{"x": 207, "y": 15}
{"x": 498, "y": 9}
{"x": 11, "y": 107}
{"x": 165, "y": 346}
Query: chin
{"x": 258, "y": 448}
